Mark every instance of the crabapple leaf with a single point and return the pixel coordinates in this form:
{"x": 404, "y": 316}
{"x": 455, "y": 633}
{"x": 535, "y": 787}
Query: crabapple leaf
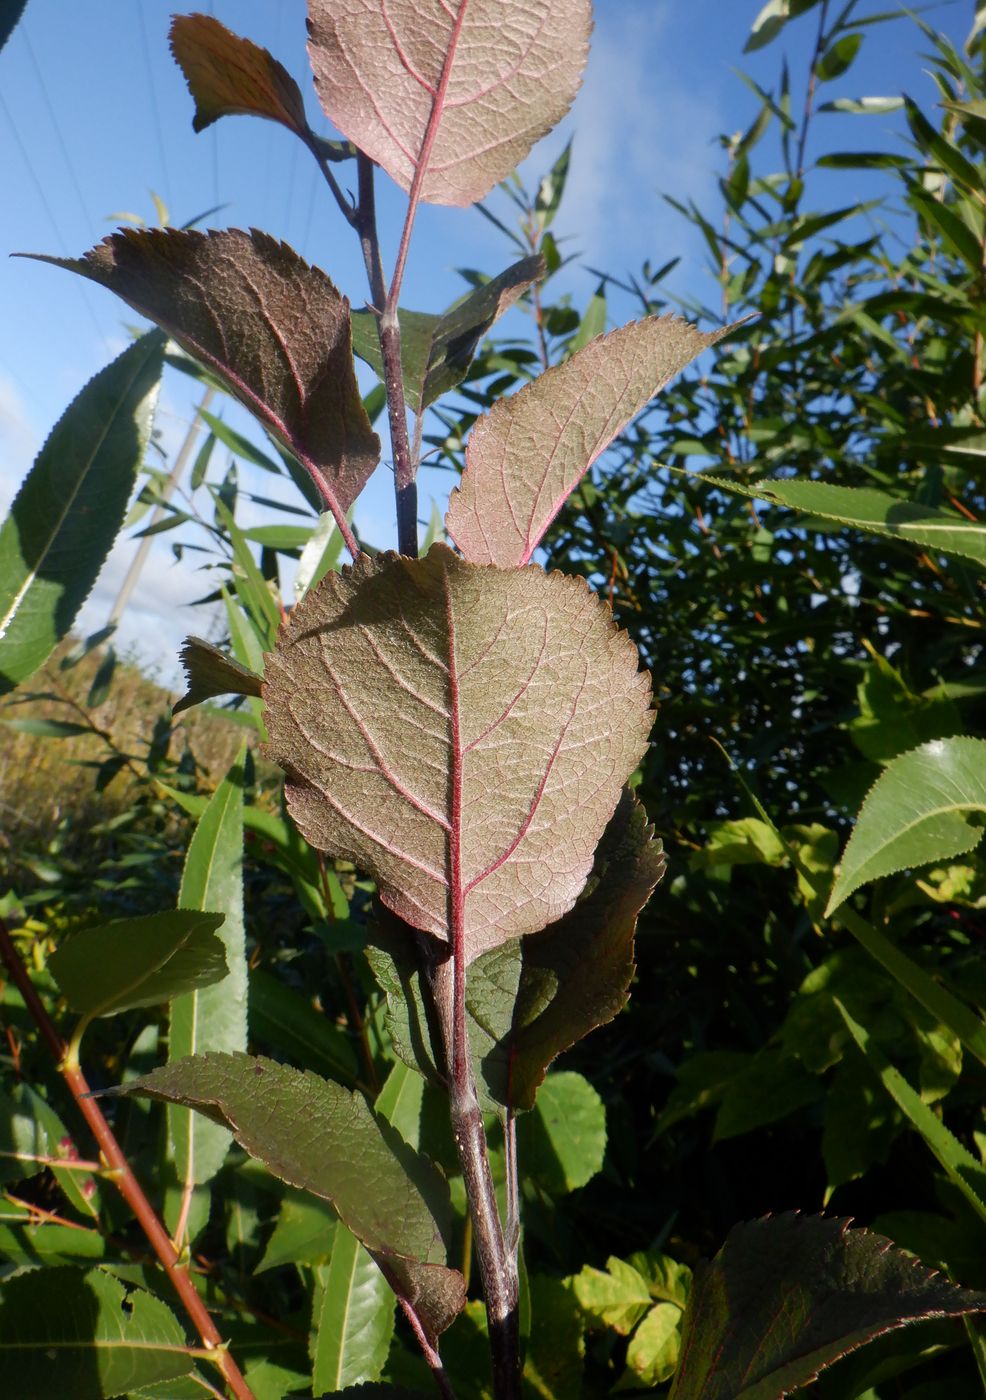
{"x": 273, "y": 329}
{"x": 527, "y": 455}
{"x": 228, "y": 75}
{"x": 139, "y": 962}
{"x": 319, "y": 1137}
{"x": 210, "y": 672}
{"x": 461, "y": 732}
{"x": 785, "y": 1297}
{"x": 448, "y": 97}
{"x": 436, "y": 351}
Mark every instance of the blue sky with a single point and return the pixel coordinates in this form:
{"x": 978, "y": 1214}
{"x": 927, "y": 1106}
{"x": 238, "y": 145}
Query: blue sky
{"x": 94, "y": 115}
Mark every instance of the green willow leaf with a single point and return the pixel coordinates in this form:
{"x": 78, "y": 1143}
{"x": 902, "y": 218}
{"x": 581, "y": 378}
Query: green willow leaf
{"x": 785, "y": 1297}
{"x": 210, "y": 672}
{"x": 212, "y": 1018}
{"x": 70, "y": 508}
{"x": 284, "y": 1019}
{"x": 436, "y": 351}
{"x": 139, "y": 962}
{"x": 916, "y": 812}
{"x": 64, "y": 1332}
{"x": 352, "y": 1317}
{"x": 315, "y": 1135}
{"x": 968, "y": 1174}
{"x": 869, "y": 510}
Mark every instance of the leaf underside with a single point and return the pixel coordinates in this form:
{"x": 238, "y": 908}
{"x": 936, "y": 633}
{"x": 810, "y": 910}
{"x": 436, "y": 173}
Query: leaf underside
{"x": 210, "y": 672}
{"x": 527, "y": 455}
{"x": 462, "y": 733}
{"x": 452, "y": 95}
{"x": 230, "y": 76}
{"x": 315, "y": 1135}
{"x": 785, "y": 1297}
{"x": 273, "y": 329}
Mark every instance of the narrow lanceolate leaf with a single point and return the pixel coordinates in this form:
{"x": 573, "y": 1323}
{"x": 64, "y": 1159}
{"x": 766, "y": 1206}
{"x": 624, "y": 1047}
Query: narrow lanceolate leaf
{"x": 916, "y": 812}
{"x": 273, "y": 329}
{"x": 968, "y": 1174}
{"x": 786, "y": 1297}
{"x": 315, "y": 1135}
{"x": 210, "y": 672}
{"x": 231, "y": 76}
{"x": 446, "y": 96}
{"x": 67, "y": 513}
{"x": 212, "y": 1018}
{"x": 139, "y": 962}
{"x": 527, "y": 713}
{"x": 436, "y": 351}
{"x": 352, "y": 1318}
{"x": 69, "y": 1332}
{"x": 526, "y": 457}
{"x": 872, "y": 511}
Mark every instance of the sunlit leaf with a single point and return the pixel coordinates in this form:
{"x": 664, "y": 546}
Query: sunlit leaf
{"x": 528, "y": 713}
{"x": 315, "y": 1135}
{"x": 352, "y": 1318}
{"x": 785, "y": 1297}
{"x": 449, "y": 99}
{"x": 212, "y": 1018}
{"x": 67, "y": 513}
{"x": 563, "y": 1142}
{"x": 229, "y": 76}
{"x": 525, "y": 457}
{"x": 274, "y": 330}
{"x": 139, "y": 962}
{"x": 918, "y": 811}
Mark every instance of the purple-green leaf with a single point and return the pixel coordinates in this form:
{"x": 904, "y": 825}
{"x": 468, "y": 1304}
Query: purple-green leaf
{"x": 317, "y": 1136}
{"x": 210, "y": 672}
{"x": 274, "y": 331}
{"x": 461, "y": 732}
{"x": 448, "y": 98}
{"x": 231, "y": 76}
{"x": 527, "y": 455}
{"x": 785, "y": 1297}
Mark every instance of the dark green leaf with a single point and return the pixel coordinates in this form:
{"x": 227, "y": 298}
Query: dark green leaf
{"x": 10, "y": 13}
{"x": 315, "y": 1135}
{"x": 785, "y": 1297}
{"x": 139, "y": 962}
{"x": 838, "y": 57}
{"x": 287, "y": 1021}
{"x": 210, "y": 672}
{"x": 67, "y": 513}
{"x": 68, "y": 1333}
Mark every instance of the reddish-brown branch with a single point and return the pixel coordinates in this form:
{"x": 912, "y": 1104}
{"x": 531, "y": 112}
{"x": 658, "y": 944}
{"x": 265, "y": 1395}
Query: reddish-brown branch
{"x": 121, "y": 1174}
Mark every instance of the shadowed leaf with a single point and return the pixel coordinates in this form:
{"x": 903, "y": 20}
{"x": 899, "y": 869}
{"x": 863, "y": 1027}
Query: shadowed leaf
{"x": 450, "y": 98}
{"x": 315, "y": 1135}
{"x": 139, "y": 962}
{"x": 527, "y": 455}
{"x": 916, "y": 812}
{"x": 67, "y": 513}
{"x": 231, "y": 76}
{"x": 210, "y": 672}
{"x": 273, "y": 329}
{"x": 66, "y": 1332}
{"x": 786, "y": 1297}
{"x": 436, "y": 351}
{"x": 528, "y": 714}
